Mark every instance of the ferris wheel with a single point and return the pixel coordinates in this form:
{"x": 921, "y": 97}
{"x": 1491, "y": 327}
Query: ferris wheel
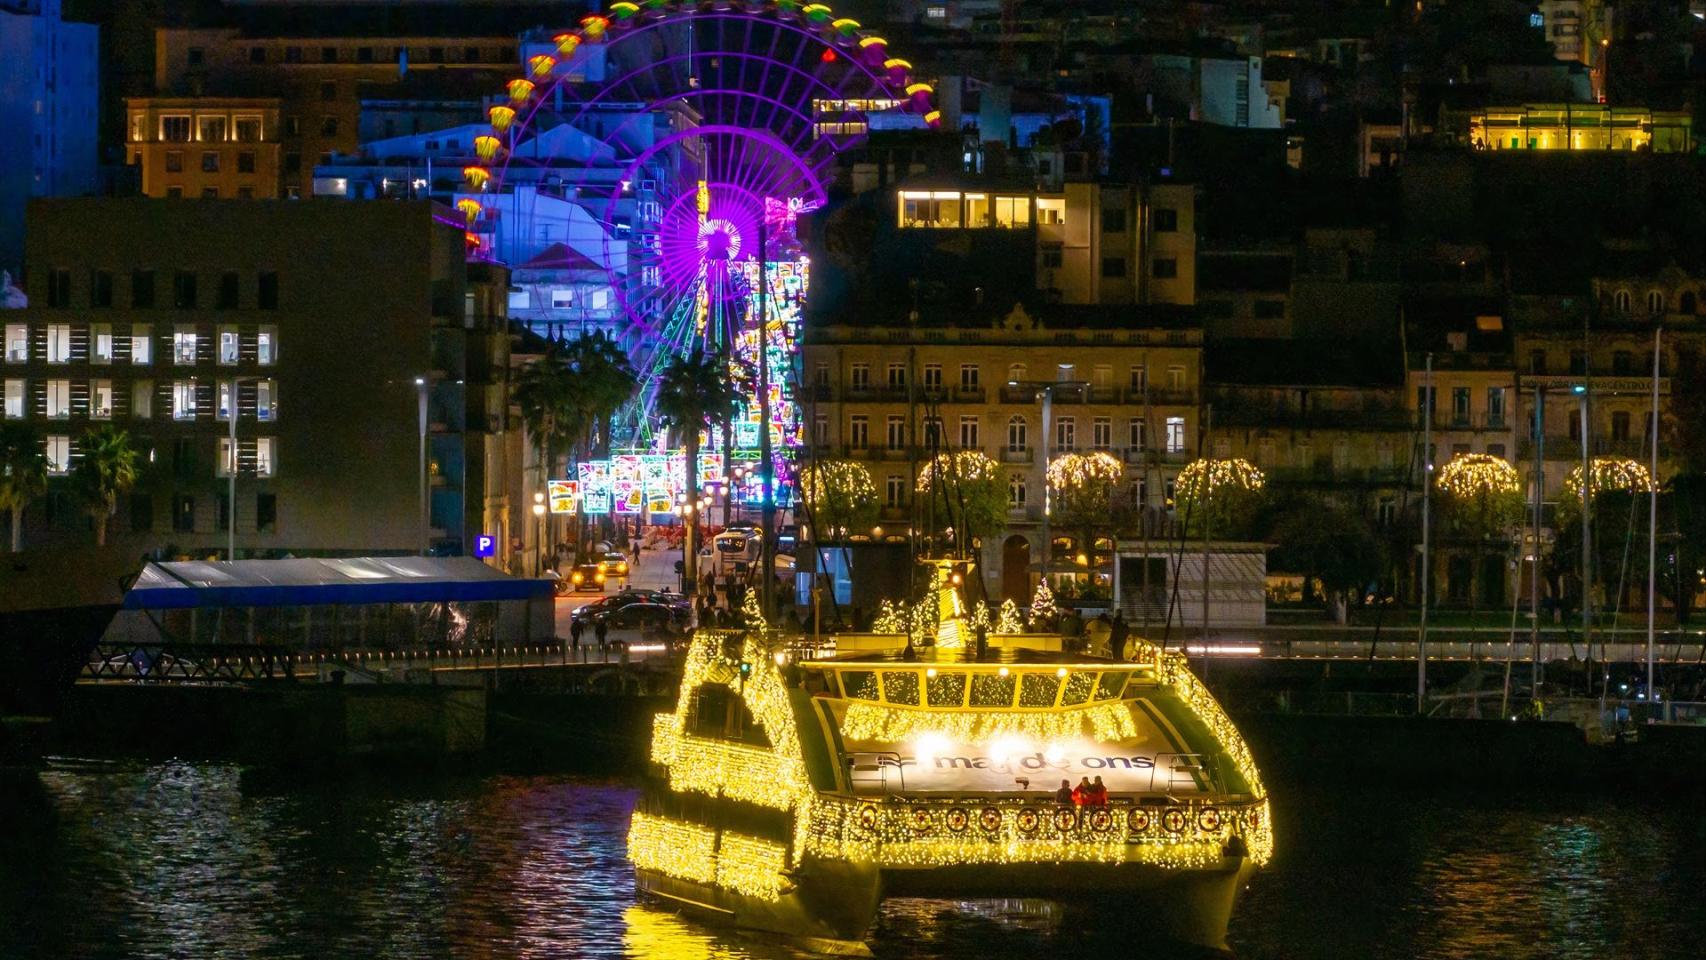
{"x": 674, "y": 146}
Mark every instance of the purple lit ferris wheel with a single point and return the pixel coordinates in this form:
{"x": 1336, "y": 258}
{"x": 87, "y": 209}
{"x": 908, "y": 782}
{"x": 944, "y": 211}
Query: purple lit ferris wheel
{"x": 674, "y": 146}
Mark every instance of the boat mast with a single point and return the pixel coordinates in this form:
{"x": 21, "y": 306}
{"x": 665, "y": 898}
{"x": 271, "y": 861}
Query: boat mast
{"x": 1427, "y": 539}
{"x": 1207, "y": 494}
{"x": 1534, "y": 563}
{"x": 1653, "y": 520}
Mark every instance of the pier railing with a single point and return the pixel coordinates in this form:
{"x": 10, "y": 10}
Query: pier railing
{"x": 243, "y": 663}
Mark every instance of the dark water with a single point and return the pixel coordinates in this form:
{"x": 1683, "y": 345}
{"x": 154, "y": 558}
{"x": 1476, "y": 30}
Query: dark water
{"x": 183, "y": 860}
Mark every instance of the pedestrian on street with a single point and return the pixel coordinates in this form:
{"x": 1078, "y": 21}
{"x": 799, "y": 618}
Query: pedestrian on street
{"x": 602, "y": 631}
{"x": 576, "y": 628}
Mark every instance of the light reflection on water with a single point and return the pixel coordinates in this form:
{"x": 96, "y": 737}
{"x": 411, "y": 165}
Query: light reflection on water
{"x": 182, "y": 860}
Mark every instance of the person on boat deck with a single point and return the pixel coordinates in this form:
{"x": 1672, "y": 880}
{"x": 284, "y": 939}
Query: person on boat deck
{"x": 1063, "y": 796}
{"x": 1098, "y": 794}
{"x": 1081, "y": 793}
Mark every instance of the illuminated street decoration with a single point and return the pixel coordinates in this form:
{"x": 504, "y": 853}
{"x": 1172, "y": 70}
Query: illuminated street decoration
{"x": 633, "y": 483}
{"x": 1611, "y": 473}
{"x": 1470, "y": 475}
{"x": 697, "y": 218}
{"x": 562, "y": 495}
{"x": 1218, "y": 475}
{"x": 1083, "y": 469}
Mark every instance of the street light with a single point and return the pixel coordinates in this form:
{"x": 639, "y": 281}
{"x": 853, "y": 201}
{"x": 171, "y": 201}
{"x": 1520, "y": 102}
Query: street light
{"x": 1047, "y": 389}
{"x": 539, "y": 513}
{"x": 425, "y": 518}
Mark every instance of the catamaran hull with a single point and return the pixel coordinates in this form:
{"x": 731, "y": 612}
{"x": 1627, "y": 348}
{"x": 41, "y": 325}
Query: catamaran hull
{"x": 1190, "y": 906}
{"x": 832, "y": 904}
{"x": 829, "y": 909}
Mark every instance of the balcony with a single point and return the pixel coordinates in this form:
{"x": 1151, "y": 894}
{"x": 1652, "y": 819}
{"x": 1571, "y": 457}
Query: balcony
{"x": 1445, "y": 421}
{"x": 1161, "y": 398}
{"x": 876, "y": 394}
{"x": 1568, "y": 448}
{"x": 895, "y": 453}
{"x": 1104, "y": 395}
{"x": 1017, "y": 456}
{"x": 970, "y": 394}
{"x": 1324, "y": 473}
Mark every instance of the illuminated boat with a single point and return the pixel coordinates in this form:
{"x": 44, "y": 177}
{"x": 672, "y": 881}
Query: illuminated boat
{"x": 793, "y": 796}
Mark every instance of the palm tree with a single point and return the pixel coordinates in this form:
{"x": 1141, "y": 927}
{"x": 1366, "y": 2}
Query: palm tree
{"x": 23, "y": 474}
{"x": 693, "y": 392}
{"x": 606, "y": 382}
{"x": 106, "y": 472}
{"x": 549, "y": 395}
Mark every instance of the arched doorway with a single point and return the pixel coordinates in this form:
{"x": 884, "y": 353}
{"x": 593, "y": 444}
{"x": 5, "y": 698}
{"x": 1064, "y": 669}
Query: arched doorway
{"x": 1016, "y": 569}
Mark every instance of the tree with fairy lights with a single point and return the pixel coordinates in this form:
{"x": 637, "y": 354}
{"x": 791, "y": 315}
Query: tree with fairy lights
{"x": 1009, "y": 621}
{"x": 1081, "y": 488}
{"x": 1043, "y": 610}
{"x": 1482, "y": 500}
{"x": 964, "y": 493}
{"x": 1232, "y": 490}
{"x": 840, "y": 498}
{"x": 892, "y": 617}
{"x": 1617, "y": 492}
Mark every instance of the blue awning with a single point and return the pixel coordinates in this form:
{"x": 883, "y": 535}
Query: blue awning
{"x": 317, "y": 581}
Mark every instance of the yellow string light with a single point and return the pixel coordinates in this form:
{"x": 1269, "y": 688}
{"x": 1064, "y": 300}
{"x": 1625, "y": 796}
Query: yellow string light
{"x": 1219, "y": 475}
{"x": 1082, "y": 469}
{"x": 882, "y": 723}
{"x": 962, "y": 466}
{"x": 1611, "y": 473}
{"x": 745, "y": 864}
{"x": 1471, "y": 475}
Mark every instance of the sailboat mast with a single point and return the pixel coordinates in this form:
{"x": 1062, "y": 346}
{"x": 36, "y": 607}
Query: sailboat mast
{"x": 1653, "y": 520}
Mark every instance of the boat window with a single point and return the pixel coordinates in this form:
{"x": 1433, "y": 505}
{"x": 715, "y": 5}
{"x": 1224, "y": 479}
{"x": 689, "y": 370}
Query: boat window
{"x": 947, "y": 690}
{"x": 992, "y": 690}
{"x": 1078, "y": 687}
{"x": 859, "y": 684}
{"x": 901, "y": 686}
{"x": 1111, "y": 685}
{"x": 1038, "y": 690}
{"x": 718, "y": 713}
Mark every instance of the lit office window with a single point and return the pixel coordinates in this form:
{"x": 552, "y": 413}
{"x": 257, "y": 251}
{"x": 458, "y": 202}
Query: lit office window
{"x": 266, "y": 394}
{"x": 183, "y": 400}
{"x": 59, "y": 343}
{"x": 58, "y": 399}
{"x": 141, "y": 344}
{"x": 183, "y": 345}
{"x": 58, "y": 455}
{"x": 14, "y": 399}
